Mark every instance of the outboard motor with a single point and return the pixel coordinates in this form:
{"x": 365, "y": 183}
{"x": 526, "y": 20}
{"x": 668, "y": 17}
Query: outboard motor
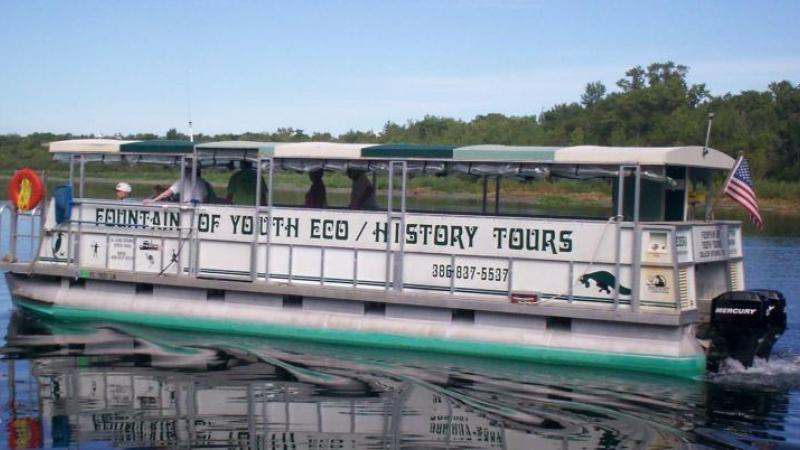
{"x": 745, "y": 325}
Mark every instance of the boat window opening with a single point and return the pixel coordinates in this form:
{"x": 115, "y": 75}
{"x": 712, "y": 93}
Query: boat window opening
{"x": 463, "y": 316}
{"x": 699, "y": 195}
{"x": 559, "y": 324}
{"x": 144, "y": 289}
{"x": 77, "y": 283}
{"x": 292, "y": 301}
{"x": 457, "y": 193}
{"x": 375, "y": 308}
{"x": 215, "y": 294}
{"x": 675, "y": 196}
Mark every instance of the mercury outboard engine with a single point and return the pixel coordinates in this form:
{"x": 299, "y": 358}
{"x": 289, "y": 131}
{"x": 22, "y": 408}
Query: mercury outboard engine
{"x": 745, "y": 325}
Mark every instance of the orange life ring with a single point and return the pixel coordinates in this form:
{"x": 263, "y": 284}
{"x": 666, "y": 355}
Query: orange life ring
{"x": 25, "y": 190}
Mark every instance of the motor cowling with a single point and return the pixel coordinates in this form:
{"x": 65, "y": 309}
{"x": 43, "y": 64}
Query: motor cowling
{"x": 745, "y": 325}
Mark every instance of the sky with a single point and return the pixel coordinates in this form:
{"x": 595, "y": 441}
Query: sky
{"x": 107, "y": 67}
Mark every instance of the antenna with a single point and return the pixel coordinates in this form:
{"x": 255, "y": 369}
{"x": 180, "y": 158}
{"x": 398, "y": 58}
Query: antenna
{"x": 708, "y": 133}
{"x": 189, "y": 103}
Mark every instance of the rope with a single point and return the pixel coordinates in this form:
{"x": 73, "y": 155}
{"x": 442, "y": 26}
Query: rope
{"x": 177, "y": 254}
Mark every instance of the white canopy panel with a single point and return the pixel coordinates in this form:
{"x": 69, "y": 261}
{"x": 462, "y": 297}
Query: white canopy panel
{"x": 692, "y": 156}
{"x": 317, "y": 150}
{"x": 87, "y": 146}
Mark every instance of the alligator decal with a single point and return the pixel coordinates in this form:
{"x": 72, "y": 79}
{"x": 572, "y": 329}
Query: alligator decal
{"x": 604, "y": 280}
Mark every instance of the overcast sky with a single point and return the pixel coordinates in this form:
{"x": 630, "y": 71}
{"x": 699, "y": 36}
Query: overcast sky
{"x": 232, "y": 66}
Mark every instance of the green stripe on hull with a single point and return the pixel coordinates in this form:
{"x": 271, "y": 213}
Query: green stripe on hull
{"x": 685, "y": 367}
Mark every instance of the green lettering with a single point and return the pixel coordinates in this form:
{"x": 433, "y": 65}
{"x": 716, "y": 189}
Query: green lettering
{"x": 515, "y": 241}
{"x": 548, "y": 238}
{"x": 411, "y": 233}
{"x": 471, "y": 231}
{"x": 315, "y": 229}
{"x": 440, "y": 235}
{"x": 500, "y": 235}
{"x": 235, "y": 219}
{"x": 426, "y": 231}
{"x": 566, "y": 241}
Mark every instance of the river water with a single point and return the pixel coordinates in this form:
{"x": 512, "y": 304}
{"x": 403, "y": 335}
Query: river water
{"x": 103, "y": 385}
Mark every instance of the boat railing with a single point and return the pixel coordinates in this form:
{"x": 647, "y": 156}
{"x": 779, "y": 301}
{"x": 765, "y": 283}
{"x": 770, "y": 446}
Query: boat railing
{"x": 625, "y": 258}
{"x": 259, "y": 270}
{"x": 184, "y": 233}
{"x": 20, "y": 232}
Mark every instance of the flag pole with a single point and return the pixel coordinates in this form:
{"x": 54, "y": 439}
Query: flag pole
{"x": 708, "y": 133}
{"x": 709, "y": 215}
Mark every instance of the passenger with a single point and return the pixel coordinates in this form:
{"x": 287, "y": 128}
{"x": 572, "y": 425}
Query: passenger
{"x": 200, "y": 193}
{"x": 242, "y": 186}
{"x": 362, "y": 196}
{"x": 157, "y": 190}
{"x": 123, "y": 190}
{"x": 316, "y": 197}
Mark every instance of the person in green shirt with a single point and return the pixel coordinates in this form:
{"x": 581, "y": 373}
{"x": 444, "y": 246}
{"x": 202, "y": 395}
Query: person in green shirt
{"x": 242, "y": 186}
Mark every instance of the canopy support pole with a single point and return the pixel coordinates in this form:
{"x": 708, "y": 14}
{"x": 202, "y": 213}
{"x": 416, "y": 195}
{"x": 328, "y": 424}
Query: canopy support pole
{"x": 497, "y": 195}
{"x": 485, "y": 192}
{"x": 268, "y": 249}
{"x": 709, "y": 186}
{"x": 637, "y": 242}
{"x": 72, "y": 171}
{"x": 78, "y": 239}
{"x": 618, "y": 239}
{"x": 256, "y": 226}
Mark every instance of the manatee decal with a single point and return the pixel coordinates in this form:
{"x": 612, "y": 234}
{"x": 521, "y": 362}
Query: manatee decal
{"x": 603, "y": 280}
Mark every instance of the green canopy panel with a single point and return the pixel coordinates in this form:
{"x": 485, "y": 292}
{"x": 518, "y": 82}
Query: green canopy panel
{"x": 408, "y": 151}
{"x": 504, "y": 153}
{"x": 163, "y": 146}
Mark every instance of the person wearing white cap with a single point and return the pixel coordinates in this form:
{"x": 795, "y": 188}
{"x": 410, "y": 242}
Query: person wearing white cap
{"x": 123, "y": 190}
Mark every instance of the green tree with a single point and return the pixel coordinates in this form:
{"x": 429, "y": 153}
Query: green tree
{"x": 594, "y": 92}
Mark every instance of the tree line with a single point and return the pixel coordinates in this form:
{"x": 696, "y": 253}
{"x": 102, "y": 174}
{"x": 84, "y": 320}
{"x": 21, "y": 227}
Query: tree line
{"x": 651, "y": 106}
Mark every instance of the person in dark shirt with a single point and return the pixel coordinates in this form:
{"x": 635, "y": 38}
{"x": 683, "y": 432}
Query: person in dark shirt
{"x": 317, "y": 196}
{"x": 362, "y": 196}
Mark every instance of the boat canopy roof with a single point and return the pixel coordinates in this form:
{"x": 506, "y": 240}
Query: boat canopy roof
{"x": 158, "y": 146}
{"x": 584, "y": 155}
{"x": 88, "y": 146}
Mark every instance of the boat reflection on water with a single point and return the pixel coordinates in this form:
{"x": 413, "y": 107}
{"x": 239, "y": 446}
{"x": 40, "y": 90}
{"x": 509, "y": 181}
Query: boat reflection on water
{"x": 138, "y": 387}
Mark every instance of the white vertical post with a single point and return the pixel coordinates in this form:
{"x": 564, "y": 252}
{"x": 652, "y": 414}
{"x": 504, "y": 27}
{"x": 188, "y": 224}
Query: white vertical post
{"x": 256, "y": 225}
{"x": 389, "y": 195}
{"x": 637, "y": 242}
{"x": 620, "y": 219}
{"x": 78, "y": 239}
{"x": 269, "y": 215}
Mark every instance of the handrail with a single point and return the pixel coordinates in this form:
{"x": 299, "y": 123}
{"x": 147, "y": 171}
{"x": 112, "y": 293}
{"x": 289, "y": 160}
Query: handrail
{"x": 14, "y": 235}
{"x": 101, "y": 202}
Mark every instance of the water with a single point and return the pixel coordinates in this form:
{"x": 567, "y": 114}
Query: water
{"x": 103, "y": 385}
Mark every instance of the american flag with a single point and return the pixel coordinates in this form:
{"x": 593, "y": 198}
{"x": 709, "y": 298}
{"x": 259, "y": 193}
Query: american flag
{"x": 740, "y": 188}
